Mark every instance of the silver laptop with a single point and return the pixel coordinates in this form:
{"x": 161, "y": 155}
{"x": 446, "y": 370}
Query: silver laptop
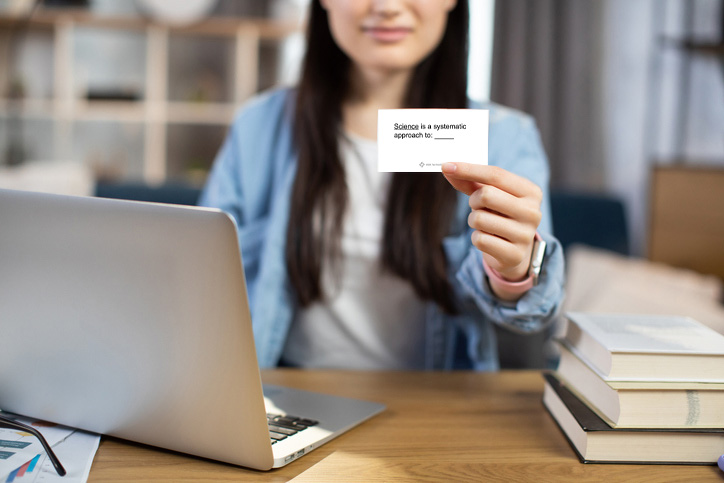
{"x": 131, "y": 319}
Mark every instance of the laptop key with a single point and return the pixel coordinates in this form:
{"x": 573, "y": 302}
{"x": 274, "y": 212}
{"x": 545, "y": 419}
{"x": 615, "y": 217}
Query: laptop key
{"x": 277, "y": 436}
{"x": 282, "y": 426}
{"x": 292, "y": 422}
{"x": 285, "y": 419}
{"x": 307, "y": 422}
{"x": 282, "y": 429}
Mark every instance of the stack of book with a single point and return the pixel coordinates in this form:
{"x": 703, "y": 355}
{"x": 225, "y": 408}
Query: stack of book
{"x": 639, "y": 389}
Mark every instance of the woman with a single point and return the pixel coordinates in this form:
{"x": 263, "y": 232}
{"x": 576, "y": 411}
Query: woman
{"x": 350, "y": 268}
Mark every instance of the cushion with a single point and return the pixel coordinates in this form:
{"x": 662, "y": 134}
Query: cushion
{"x": 603, "y": 281}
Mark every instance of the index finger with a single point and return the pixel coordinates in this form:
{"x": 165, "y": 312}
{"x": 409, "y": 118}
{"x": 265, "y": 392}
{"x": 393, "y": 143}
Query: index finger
{"x": 491, "y": 175}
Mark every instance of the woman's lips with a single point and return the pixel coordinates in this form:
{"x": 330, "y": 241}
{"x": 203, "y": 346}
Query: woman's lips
{"x": 387, "y": 34}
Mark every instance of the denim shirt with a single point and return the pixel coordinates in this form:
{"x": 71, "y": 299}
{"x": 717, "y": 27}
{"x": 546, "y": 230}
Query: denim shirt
{"x": 252, "y": 180}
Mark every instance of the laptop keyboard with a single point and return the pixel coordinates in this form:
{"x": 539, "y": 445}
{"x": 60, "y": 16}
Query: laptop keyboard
{"x": 283, "y": 426}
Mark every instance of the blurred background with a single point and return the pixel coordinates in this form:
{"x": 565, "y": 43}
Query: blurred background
{"x": 137, "y": 89}
{"x": 136, "y": 95}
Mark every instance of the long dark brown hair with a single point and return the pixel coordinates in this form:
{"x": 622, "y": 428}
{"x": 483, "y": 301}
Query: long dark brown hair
{"x": 419, "y": 206}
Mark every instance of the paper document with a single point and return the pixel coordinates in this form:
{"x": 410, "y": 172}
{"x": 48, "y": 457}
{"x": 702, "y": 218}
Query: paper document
{"x": 421, "y": 140}
{"x": 75, "y": 453}
{"x": 18, "y": 447}
{"x": 23, "y": 459}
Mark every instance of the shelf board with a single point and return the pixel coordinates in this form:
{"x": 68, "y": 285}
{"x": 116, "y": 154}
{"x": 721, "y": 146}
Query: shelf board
{"x": 27, "y": 108}
{"x": 212, "y": 26}
{"x": 121, "y": 111}
{"x": 200, "y": 113}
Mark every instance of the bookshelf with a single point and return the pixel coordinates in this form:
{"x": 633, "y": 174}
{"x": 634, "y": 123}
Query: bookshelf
{"x": 178, "y": 92}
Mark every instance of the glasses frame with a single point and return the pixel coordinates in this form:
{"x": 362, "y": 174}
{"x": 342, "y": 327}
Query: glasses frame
{"x": 8, "y": 423}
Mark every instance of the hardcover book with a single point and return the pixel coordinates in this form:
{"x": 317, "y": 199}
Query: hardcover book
{"x": 647, "y": 347}
{"x": 647, "y": 404}
{"x": 594, "y": 441}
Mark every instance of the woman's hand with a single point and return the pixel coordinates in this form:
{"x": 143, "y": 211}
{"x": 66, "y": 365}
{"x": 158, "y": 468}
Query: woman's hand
{"x": 505, "y": 216}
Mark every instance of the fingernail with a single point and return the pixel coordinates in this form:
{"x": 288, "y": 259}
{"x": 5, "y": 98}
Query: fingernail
{"x": 449, "y": 167}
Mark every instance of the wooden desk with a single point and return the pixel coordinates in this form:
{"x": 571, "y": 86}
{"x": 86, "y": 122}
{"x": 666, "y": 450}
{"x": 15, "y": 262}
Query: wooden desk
{"x": 438, "y": 427}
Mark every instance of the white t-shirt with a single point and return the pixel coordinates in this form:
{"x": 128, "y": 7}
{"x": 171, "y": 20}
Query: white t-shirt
{"x": 369, "y": 318}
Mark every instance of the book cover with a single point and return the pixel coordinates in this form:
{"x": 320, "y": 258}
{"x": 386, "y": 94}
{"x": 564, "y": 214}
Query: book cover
{"x": 594, "y": 441}
{"x": 636, "y": 404}
{"x": 647, "y": 347}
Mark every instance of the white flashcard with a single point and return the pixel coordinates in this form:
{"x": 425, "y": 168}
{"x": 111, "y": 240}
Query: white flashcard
{"x": 421, "y": 140}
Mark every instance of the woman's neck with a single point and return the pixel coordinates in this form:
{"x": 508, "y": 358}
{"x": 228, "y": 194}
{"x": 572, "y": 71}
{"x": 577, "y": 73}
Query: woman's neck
{"x": 370, "y": 91}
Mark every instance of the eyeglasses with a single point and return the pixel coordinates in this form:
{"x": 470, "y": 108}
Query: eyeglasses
{"x": 12, "y": 424}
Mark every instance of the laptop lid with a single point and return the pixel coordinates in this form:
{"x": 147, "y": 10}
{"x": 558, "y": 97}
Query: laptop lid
{"x": 130, "y": 319}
